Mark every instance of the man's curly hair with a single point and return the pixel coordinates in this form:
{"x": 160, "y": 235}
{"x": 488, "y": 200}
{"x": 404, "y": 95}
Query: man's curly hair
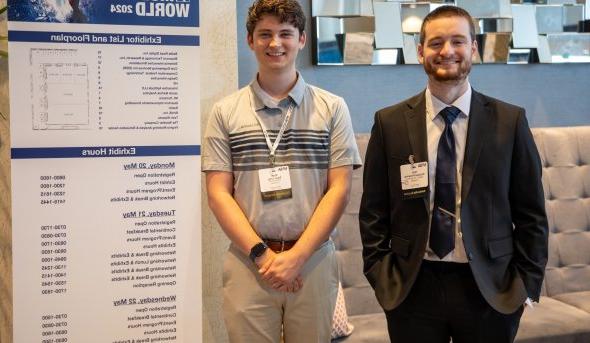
{"x": 288, "y": 11}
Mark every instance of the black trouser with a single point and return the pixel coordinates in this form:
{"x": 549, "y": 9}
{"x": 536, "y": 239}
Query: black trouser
{"x": 445, "y": 303}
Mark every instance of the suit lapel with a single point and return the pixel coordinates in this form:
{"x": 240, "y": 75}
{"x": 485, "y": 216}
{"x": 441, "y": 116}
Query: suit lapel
{"x": 480, "y": 124}
{"x": 416, "y": 123}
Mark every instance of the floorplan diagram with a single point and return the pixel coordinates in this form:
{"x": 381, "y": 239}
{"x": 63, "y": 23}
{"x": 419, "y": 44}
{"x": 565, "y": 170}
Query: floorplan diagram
{"x": 60, "y": 90}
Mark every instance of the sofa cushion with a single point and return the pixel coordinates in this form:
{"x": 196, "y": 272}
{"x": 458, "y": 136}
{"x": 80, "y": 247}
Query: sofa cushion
{"x": 554, "y": 321}
{"x": 361, "y": 300}
{"x": 550, "y": 321}
{"x": 580, "y": 300}
{"x": 568, "y": 268}
{"x": 368, "y": 328}
{"x": 565, "y": 153}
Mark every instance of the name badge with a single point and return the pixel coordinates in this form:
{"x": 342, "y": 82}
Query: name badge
{"x": 275, "y": 183}
{"x": 414, "y": 179}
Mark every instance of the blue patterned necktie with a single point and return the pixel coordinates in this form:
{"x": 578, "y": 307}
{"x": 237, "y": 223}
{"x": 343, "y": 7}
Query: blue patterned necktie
{"x": 442, "y": 227}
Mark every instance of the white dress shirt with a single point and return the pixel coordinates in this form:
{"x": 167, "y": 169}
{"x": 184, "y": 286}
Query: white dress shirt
{"x": 435, "y": 125}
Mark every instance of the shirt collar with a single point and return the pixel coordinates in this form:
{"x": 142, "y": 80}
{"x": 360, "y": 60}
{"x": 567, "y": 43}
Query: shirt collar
{"x": 434, "y": 105}
{"x": 261, "y": 99}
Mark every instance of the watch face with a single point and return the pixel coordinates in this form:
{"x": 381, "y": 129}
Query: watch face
{"x": 257, "y": 251}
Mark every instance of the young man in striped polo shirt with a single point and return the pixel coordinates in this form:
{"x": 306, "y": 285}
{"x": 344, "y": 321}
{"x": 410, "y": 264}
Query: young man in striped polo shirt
{"x": 278, "y": 155}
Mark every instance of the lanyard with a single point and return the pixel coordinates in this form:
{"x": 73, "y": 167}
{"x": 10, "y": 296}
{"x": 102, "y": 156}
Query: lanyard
{"x": 271, "y": 146}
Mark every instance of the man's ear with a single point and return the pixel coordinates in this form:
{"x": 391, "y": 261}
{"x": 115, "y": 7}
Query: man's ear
{"x": 302, "y": 40}
{"x": 250, "y": 40}
{"x": 421, "y": 53}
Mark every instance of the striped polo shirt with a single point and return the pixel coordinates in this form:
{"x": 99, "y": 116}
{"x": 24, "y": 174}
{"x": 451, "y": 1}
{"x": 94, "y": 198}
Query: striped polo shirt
{"x": 318, "y": 136}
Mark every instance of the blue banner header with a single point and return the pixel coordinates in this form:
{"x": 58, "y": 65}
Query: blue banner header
{"x": 101, "y": 38}
{"x": 184, "y": 13}
{"x": 106, "y": 151}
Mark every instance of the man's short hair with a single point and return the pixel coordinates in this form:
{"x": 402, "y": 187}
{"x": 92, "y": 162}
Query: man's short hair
{"x": 445, "y": 12}
{"x": 288, "y": 11}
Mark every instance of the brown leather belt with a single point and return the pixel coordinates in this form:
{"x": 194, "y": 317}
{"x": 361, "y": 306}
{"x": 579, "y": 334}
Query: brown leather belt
{"x": 279, "y": 245}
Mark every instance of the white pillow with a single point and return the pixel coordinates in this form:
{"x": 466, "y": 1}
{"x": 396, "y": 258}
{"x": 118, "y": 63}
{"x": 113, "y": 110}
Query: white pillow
{"x": 340, "y": 325}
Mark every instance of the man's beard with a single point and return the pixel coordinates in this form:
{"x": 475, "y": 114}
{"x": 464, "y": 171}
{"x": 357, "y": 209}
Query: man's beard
{"x": 461, "y": 74}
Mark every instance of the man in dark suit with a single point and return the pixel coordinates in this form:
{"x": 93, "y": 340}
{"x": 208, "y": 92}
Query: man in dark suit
{"x": 452, "y": 216}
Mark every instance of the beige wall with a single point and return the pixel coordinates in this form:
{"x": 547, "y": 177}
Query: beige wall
{"x": 219, "y": 76}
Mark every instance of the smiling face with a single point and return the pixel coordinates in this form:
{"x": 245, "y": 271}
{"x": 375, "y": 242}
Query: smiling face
{"x": 447, "y": 49}
{"x": 276, "y": 44}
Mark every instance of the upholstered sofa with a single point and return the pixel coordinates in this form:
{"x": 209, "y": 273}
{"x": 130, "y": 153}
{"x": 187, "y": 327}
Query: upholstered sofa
{"x": 563, "y": 314}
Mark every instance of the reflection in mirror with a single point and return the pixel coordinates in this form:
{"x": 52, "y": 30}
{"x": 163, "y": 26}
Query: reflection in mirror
{"x": 524, "y": 34}
{"x": 486, "y": 8}
{"x": 386, "y": 57}
{"x": 549, "y": 19}
{"x": 411, "y": 42}
{"x": 412, "y": 16}
{"x": 333, "y": 33}
{"x": 519, "y": 56}
{"x": 564, "y": 47}
{"x": 572, "y": 15}
{"x": 486, "y": 25}
{"x": 557, "y": 18}
{"x": 358, "y": 48}
{"x": 494, "y": 47}
{"x": 388, "y": 25}
{"x": 341, "y": 8}
{"x": 358, "y": 24}
{"x": 509, "y": 31}
{"x": 329, "y": 41}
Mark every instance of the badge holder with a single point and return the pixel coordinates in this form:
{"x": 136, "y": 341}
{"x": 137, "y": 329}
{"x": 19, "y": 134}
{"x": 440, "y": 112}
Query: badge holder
{"x": 275, "y": 182}
{"x": 414, "y": 179}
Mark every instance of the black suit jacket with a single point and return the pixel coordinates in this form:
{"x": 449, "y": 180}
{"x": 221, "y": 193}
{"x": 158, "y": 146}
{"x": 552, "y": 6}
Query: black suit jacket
{"x": 503, "y": 218}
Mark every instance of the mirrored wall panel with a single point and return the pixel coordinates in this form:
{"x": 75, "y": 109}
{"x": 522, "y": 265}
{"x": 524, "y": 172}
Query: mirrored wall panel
{"x": 385, "y": 32}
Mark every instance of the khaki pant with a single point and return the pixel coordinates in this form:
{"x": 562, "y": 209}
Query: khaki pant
{"x": 254, "y": 312}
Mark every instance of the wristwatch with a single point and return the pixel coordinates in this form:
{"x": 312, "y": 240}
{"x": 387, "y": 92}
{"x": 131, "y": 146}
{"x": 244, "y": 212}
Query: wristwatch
{"x": 257, "y": 251}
